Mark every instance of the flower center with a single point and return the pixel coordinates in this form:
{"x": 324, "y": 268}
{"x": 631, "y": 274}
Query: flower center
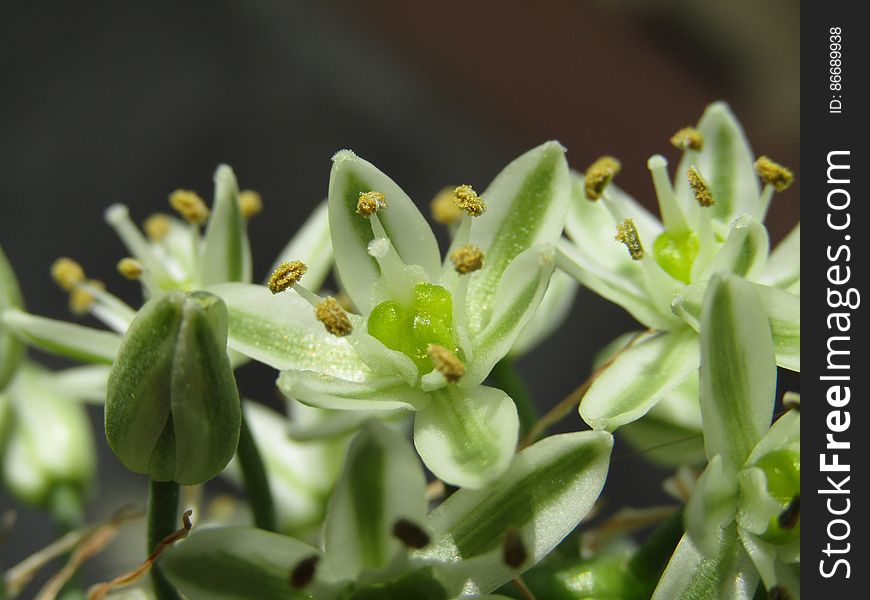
{"x": 676, "y": 252}
{"x": 783, "y": 471}
{"x": 411, "y": 329}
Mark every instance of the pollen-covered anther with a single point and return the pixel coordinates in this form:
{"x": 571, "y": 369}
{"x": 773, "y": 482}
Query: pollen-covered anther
{"x": 286, "y": 275}
{"x": 626, "y": 233}
{"x": 443, "y": 207}
{"x": 410, "y": 534}
{"x": 599, "y": 175}
{"x": 446, "y": 362}
{"x": 465, "y": 198}
{"x": 81, "y": 299}
{"x": 334, "y": 318}
{"x": 303, "y": 573}
{"x": 701, "y": 189}
{"x": 467, "y": 259}
{"x": 130, "y": 268}
{"x": 369, "y": 203}
{"x": 688, "y": 138}
{"x": 189, "y": 205}
{"x": 250, "y": 203}
{"x": 67, "y": 273}
{"x": 514, "y": 553}
{"x": 774, "y": 173}
{"x": 157, "y": 226}
{"x": 789, "y": 517}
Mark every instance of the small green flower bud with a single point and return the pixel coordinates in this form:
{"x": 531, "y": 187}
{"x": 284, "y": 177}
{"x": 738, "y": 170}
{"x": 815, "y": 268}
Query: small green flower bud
{"x": 172, "y": 406}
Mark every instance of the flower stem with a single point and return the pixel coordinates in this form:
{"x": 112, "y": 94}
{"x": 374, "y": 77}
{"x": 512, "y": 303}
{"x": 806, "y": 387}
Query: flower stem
{"x": 651, "y": 558}
{"x": 506, "y": 377}
{"x": 256, "y": 480}
{"x": 162, "y": 522}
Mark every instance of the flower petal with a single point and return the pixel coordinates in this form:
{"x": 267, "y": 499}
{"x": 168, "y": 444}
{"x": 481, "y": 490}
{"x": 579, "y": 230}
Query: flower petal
{"x": 548, "y": 488}
{"x": 59, "y": 337}
{"x": 744, "y": 252}
{"x": 785, "y": 433}
{"x": 86, "y": 383}
{"x": 312, "y": 245}
{"x": 712, "y": 505}
{"x": 372, "y": 393}
{"x": 351, "y": 233}
{"x": 773, "y": 572}
{"x": 738, "y": 368}
{"x": 11, "y": 348}
{"x": 642, "y": 374}
{"x": 757, "y": 505}
{"x": 784, "y": 264}
{"x": 226, "y": 252}
{"x": 382, "y": 483}
{"x": 467, "y": 437}
{"x": 550, "y": 314}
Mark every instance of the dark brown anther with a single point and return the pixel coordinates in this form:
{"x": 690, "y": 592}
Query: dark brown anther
{"x": 410, "y": 534}
{"x": 791, "y": 515}
{"x": 514, "y": 552}
{"x": 303, "y": 573}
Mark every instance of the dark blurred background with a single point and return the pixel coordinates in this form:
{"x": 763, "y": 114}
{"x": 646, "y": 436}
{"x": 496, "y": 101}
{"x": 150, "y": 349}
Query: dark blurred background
{"x": 108, "y": 101}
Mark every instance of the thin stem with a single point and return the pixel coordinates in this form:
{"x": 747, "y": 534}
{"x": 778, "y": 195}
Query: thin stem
{"x": 68, "y": 514}
{"x": 523, "y": 588}
{"x": 507, "y": 378}
{"x": 162, "y": 522}
{"x": 650, "y": 559}
{"x": 256, "y": 480}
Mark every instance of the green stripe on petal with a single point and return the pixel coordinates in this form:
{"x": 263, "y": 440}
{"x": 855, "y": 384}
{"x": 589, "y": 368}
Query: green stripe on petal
{"x": 744, "y": 252}
{"x": 373, "y": 393}
{"x": 639, "y": 377}
{"x": 226, "y": 252}
{"x": 738, "y": 369}
{"x": 66, "y": 339}
{"x": 548, "y": 488}
{"x": 11, "y": 348}
{"x": 311, "y": 245}
{"x": 351, "y": 233}
{"x": 236, "y": 563}
{"x": 549, "y": 315}
{"x": 526, "y": 206}
{"x": 467, "y": 437}
{"x": 712, "y": 506}
{"x": 382, "y": 482}
{"x": 783, "y": 267}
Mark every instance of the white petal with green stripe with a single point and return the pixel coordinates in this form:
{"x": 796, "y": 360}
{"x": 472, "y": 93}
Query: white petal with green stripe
{"x": 382, "y": 483}
{"x": 66, "y": 339}
{"x": 351, "y": 233}
{"x": 550, "y": 314}
{"x": 526, "y": 206}
{"x": 226, "y": 252}
{"x": 11, "y": 348}
{"x": 757, "y": 506}
{"x": 467, "y": 436}
{"x": 784, "y": 434}
{"x": 744, "y": 252}
{"x": 86, "y": 383}
{"x": 783, "y": 267}
{"x": 311, "y": 245}
{"x": 738, "y": 369}
{"x": 374, "y": 392}
{"x": 634, "y": 382}
{"x": 712, "y": 505}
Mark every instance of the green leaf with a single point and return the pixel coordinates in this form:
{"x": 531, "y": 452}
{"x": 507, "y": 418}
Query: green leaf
{"x": 548, "y": 488}
{"x": 783, "y": 267}
{"x": 738, "y": 369}
{"x": 712, "y": 506}
{"x": 526, "y": 207}
{"x": 236, "y": 563}
{"x": 467, "y": 436}
{"x": 549, "y": 316}
{"x": 744, "y": 252}
{"x": 226, "y": 252}
{"x": 59, "y": 337}
{"x": 372, "y": 393}
{"x": 382, "y": 483}
{"x": 11, "y": 348}
{"x": 351, "y": 233}
{"x": 311, "y": 245}
{"x": 634, "y": 382}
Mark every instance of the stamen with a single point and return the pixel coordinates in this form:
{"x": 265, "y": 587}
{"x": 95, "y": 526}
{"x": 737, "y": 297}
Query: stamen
{"x": 446, "y": 362}
{"x": 334, "y": 319}
{"x": 514, "y": 552}
{"x": 467, "y": 199}
{"x": 773, "y": 173}
{"x": 81, "y": 299}
{"x": 789, "y": 517}
{"x": 369, "y": 203}
{"x": 626, "y": 233}
{"x": 443, "y": 207}
{"x": 286, "y": 275}
{"x": 599, "y": 175}
{"x": 67, "y": 273}
{"x": 410, "y": 534}
{"x": 672, "y": 215}
{"x": 303, "y": 573}
{"x": 189, "y": 205}
{"x": 250, "y": 203}
{"x": 118, "y": 216}
{"x": 688, "y": 138}
{"x": 703, "y": 193}
{"x": 157, "y": 226}
{"x": 467, "y": 259}
{"x": 130, "y": 268}
{"x": 791, "y": 401}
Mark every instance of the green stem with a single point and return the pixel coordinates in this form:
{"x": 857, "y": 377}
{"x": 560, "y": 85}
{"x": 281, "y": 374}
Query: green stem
{"x": 68, "y": 514}
{"x": 651, "y": 558}
{"x": 162, "y": 521}
{"x": 507, "y": 378}
{"x": 256, "y": 480}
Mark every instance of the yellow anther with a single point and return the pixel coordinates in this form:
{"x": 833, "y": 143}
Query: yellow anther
{"x": 286, "y": 275}
{"x": 446, "y": 362}
{"x": 465, "y": 198}
{"x": 130, "y": 268}
{"x": 157, "y": 226}
{"x": 626, "y": 233}
{"x": 688, "y": 138}
{"x": 81, "y": 299}
{"x": 467, "y": 259}
{"x": 369, "y": 203}
{"x": 67, "y": 273}
{"x": 599, "y": 175}
{"x": 189, "y": 205}
{"x": 334, "y": 319}
{"x": 250, "y": 203}
{"x": 774, "y": 173}
{"x": 703, "y": 193}
{"x": 443, "y": 207}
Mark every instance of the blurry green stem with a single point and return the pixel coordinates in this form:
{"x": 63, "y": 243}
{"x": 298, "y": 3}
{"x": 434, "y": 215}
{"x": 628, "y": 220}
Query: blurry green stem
{"x": 68, "y": 514}
{"x": 651, "y": 558}
{"x": 162, "y": 521}
{"x": 256, "y": 479}
{"x": 507, "y": 378}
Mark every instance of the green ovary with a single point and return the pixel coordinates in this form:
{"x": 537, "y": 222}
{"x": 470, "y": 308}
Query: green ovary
{"x": 410, "y": 329}
{"x": 675, "y": 253}
{"x": 783, "y": 471}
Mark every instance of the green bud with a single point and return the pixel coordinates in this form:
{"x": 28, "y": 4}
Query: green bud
{"x": 172, "y": 406}
{"x": 11, "y": 349}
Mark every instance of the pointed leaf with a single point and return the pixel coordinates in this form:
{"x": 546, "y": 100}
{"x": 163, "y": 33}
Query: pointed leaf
{"x": 738, "y": 369}
{"x": 550, "y": 314}
{"x": 371, "y": 393}
{"x": 226, "y": 252}
{"x": 467, "y": 437}
{"x": 784, "y": 265}
{"x": 11, "y": 348}
{"x": 744, "y": 252}
{"x": 311, "y": 245}
{"x": 712, "y": 505}
{"x": 634, "y": 382}
{"x": 59, "y": 337}
{"x": 351, "y": 233}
